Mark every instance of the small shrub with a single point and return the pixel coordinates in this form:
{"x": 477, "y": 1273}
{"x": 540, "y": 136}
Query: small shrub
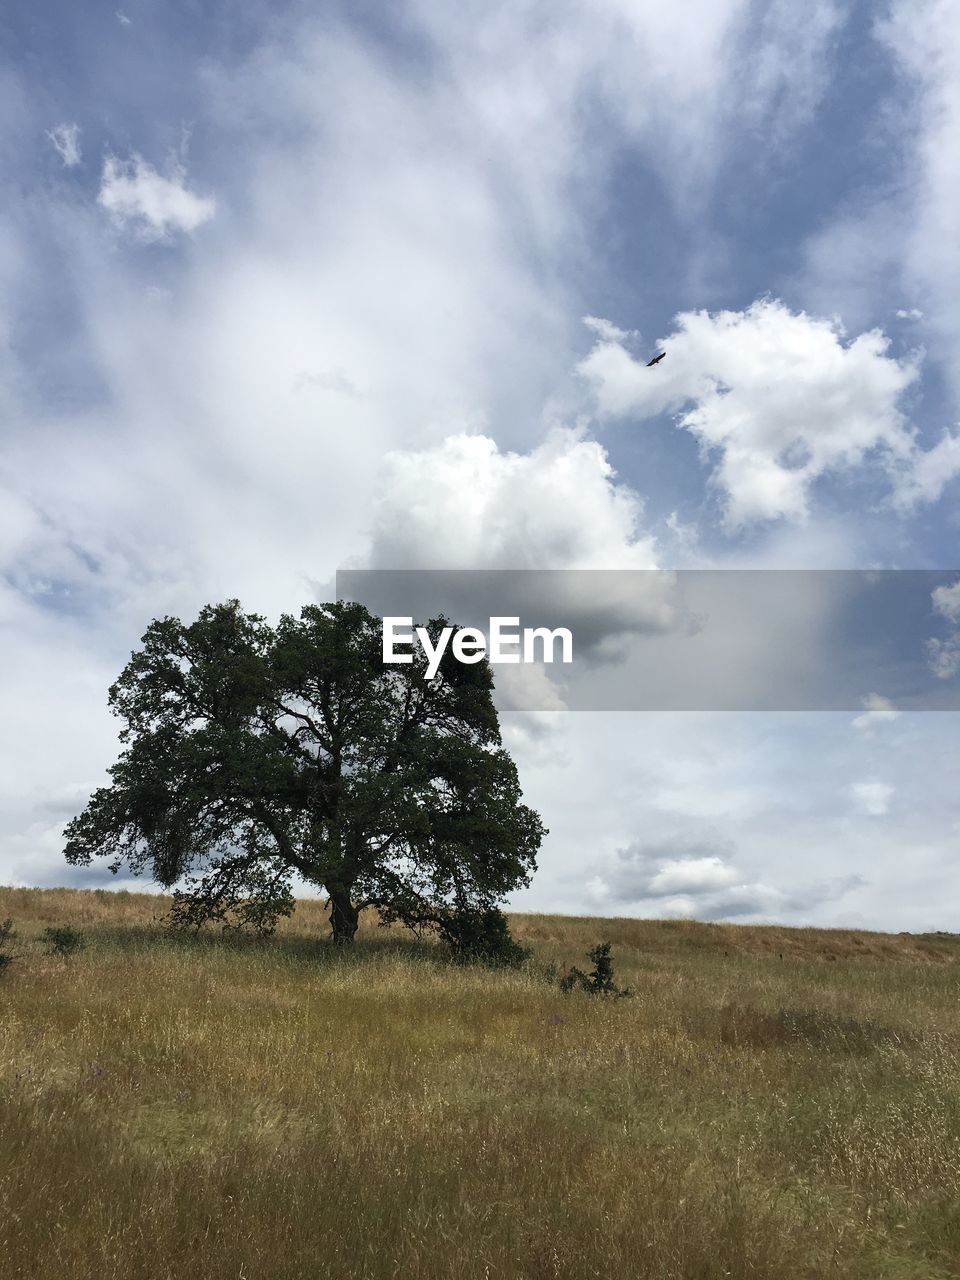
{"x": 599, "y": 981}
{"x": 64, "y": 940}
{"x": 7, "y": 935}
{"x": 482, "y": 937}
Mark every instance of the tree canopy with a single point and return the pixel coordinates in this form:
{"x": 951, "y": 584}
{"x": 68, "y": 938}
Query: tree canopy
{"x": 253, "y": 754}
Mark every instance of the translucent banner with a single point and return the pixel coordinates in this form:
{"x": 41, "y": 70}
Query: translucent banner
{"x": 685, "y": 640}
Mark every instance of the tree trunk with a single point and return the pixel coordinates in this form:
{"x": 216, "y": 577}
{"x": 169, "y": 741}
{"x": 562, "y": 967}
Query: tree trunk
{"x": 344, "y": 916}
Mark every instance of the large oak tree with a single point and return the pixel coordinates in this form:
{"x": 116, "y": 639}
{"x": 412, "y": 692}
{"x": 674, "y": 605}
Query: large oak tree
{"x": 252, "y": 754}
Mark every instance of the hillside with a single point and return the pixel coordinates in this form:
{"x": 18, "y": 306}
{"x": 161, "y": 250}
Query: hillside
{"x": 771, "y": 1102}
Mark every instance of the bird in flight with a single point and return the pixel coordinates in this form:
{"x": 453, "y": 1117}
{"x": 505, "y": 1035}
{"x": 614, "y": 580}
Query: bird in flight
{"x": 655, "y": 360}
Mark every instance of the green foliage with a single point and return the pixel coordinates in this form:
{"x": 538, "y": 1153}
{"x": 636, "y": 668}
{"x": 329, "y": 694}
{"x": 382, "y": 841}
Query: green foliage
{"x": 257, "y": 902}
{"x": 482, "y": 937}
{"x": 7, "y": 935}
{"x": 252, "y": 754}
{"x": 599, "y": 981}
{"x": 64, "y": 939}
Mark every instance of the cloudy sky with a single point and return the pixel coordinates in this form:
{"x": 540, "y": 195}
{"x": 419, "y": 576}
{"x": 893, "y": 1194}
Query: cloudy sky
{"x": 286, "y": 288}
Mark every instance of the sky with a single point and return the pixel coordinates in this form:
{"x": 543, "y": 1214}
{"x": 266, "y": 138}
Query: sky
{"x": 290, "y": 288}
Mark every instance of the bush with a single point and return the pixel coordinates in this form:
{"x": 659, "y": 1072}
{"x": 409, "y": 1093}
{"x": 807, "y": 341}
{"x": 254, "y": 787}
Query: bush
{"x": 599, "y": 981}
{"x": 7, "y": 935}
{"x": 64, "y": 940}
{"x": 482, "y": 937}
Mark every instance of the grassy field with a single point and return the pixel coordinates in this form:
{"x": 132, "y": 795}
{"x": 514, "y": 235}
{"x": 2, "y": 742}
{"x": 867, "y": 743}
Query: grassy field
{"x": 772, "y": 1102}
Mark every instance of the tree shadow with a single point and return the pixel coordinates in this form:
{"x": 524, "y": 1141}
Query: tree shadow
{"x": 290, "y": 946}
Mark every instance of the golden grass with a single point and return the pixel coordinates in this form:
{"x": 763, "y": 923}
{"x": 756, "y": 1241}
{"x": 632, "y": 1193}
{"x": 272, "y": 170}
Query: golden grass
{"x": 772, "y": 1103}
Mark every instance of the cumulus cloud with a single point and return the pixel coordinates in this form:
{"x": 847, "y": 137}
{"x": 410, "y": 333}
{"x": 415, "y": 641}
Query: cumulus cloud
{"x": 877, "y": 710}
{"x": 66, "y": 141}
{"x": 691, "y": 876}
{"x": 466, "y": 503}
{"x": 775, "y": 398}
{"x": 699, "y": 878}
{"x": 666, "y": 869}
{"x": 154, "y": 207}
{"x": 914, "y": 313}
{"x": 872, "y": 796}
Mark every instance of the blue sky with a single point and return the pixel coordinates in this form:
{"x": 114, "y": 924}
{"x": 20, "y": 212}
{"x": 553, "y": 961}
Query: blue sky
{"x": 286, "y": 288}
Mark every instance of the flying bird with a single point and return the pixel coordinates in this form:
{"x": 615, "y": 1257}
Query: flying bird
{"x": 655, "y": 360}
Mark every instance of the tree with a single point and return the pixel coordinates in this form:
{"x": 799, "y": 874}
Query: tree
{"x": 252, "y": 753}
{"x": 599, "y": 981}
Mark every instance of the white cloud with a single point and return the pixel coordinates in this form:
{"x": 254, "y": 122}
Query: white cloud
{"x": 853, "y": 259}
{"x": 66, "y": 140}
{"x": 901, "y": 235}
{"x": 876, "y": 710}
{"x": 520, "y": 688}
{"x": 542, "y": 73}
{"x": 778, "y": 398}
{"x": 137, "y": 196}
{"x": 943, "y": 653}
{"x": 466, "y": 504}
{"x": 922, "y": 37}
{"x": 946, "y": 602}
{"x": 691, "y": 876}
{"x": 670, "y": 869}
{"x": 926, "y": 473}
{"x": 606, "y": 331}
{"x": 412, "y": 234}
{"x": 944, "y": 657}
{"x": 872, "y": 796}
{"x": 759, "y": 792}
{"x": 681, "y": 877}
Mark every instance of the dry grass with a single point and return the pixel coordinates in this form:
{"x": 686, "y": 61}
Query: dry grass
{"x": 772, "y": 1103}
